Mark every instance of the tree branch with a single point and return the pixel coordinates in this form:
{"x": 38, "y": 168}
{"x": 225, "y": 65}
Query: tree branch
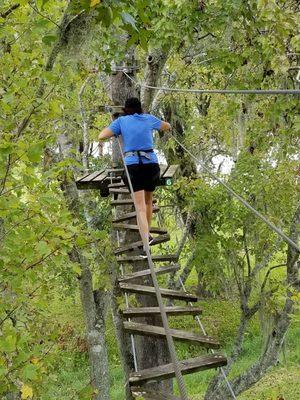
{"x": 6, "y": 13}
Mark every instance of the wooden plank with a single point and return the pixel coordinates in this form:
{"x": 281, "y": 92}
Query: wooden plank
{"x": 124, "y": 202}
{"x": 118, "y": 191}
{"x": 142, "y": 289}
{"x": 115, "y": 171}
{"x": 147, "y": 272}
{"x": 188, "y": 366}
{"x": 163, "y": 169}
{"x": 155, "y": 258}
{"x": 170, "y": 172}
{"x": 116, "y": 185}
{"x": 83, "y": 176}
{"x": 130, "y": 215}
{"x": 148, "y": 394}
{"x": 113, "y": 178}
{"x": 100, "y": 178}
{"x": 131, "y": 246}
{"x": 135, "y": 312}
{"x": 91, "y": 176}
{"x": 178, "y": 334}
{"x": 136, "y": 228}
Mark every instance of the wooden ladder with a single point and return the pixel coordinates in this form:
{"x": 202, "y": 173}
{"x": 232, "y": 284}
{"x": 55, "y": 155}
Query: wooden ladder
{"x": 138, "y": 380}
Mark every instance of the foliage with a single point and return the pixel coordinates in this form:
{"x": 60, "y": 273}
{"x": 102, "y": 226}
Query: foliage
{"x": 210, "y": 44}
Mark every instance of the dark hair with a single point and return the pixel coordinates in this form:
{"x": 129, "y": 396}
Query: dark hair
{"x": 132, "y": 106}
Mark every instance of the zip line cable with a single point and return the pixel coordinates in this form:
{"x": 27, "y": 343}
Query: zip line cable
{"x": 216, "y": 91}
{"x": 241, "y": 200}
{"x": 163, "y": 313}
{"x": 228, "y": 188}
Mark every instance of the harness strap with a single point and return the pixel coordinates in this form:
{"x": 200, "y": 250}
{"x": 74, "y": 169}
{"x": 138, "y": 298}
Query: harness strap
{"x": 139, "y": 154}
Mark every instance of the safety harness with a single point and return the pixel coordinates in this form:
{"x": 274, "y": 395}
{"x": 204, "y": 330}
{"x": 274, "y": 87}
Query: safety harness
{"x": 139, "y": 154}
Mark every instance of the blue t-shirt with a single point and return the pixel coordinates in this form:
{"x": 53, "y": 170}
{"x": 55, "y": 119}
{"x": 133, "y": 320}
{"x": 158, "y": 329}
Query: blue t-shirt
{"x": 137, "y": 134}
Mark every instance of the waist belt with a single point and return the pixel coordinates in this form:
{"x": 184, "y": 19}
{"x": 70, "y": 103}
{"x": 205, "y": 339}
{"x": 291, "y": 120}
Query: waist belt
{"x": 139, "y": 154}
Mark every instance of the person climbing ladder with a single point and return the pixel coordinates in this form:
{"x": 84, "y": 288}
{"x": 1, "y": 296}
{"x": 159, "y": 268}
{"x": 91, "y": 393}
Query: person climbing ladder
{"x": 136, "y": 129}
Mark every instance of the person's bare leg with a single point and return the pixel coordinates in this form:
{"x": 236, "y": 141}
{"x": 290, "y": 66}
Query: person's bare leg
{"x": 141, "y": 209}
{"x": 149, "y": 206}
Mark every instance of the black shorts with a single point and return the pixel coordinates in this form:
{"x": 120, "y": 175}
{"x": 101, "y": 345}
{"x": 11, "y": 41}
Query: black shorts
{"x": 143, "y": 176}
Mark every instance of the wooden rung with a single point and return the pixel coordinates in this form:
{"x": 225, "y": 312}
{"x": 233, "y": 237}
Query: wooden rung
{"x": 170, "y": 172}
{"x": 175, "y": 311}
{"x": 146, "y": 272}
{"x": 136, "y": 228}
{"x": 118, "y": 191}
{"x": 148, "y": 394}
{"x": 155, "y": 258}
{"x": 130, "y": 215}
{"x": 116, "y": 185}
{"x": 125, "y": 202}
{"x": 114, "y": 178}
{"x": 150, "y": 290}
{"x": 187, "y": 367}
{"x": 157, "y": 240}
{"x": 181, "y": 335}
{"x": 114, "y": 170}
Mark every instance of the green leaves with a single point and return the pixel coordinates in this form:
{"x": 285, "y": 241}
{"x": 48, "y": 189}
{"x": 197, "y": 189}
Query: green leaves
{"x": 49, "y": 39}
{"x": 8, "y": 343}
{"x": 29, "y": 372}
{"x": 35, "y": 151}
{"x": 104, "y": 15}
{"x": 128, "y": 19}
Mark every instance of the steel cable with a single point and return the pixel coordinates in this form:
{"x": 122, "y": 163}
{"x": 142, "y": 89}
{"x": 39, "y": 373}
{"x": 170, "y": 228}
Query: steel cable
{"x": 241, "y": 200}
{"x": 216, "y": 91}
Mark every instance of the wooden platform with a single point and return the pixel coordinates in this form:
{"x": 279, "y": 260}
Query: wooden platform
{"x": 102, "y": 179}
{"x": 188, "y": 366}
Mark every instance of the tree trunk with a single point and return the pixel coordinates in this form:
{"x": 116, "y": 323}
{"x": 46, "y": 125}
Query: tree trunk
{"x": 150, "y": 351}
{"x": 269, "y": 356}
{"x": 92, "y": 303}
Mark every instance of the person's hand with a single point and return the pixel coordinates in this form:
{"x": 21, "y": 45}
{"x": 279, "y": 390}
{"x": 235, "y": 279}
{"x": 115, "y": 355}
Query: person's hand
{"x": 167, "y": 135}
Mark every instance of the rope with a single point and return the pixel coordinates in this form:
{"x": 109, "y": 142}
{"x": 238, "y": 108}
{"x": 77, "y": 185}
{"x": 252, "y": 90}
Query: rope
{"x": 212, "y": 350}
{"x": 169, "y": 337}
{"x": 216, "y": 91}
{"x": 241, "y": 200}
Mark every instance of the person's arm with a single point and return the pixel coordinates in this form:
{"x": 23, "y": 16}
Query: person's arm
{"x": 113, "y": 129}
{"x": 106, "y": 133}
